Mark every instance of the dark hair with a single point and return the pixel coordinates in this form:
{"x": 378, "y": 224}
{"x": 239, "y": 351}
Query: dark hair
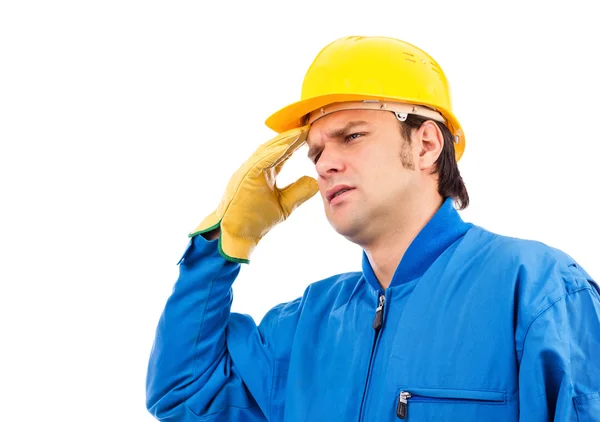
{"x": 450, "y": 182}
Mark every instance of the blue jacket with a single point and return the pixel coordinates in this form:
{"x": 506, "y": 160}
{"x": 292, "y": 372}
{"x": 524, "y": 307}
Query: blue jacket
{"x": 473, "y": 327}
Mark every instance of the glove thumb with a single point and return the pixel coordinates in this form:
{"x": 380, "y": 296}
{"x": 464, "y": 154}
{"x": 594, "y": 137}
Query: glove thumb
{"x": 294, "y": 195}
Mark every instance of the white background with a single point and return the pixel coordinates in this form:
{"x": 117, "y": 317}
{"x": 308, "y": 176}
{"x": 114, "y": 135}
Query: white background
{"x": 121, "y": 122}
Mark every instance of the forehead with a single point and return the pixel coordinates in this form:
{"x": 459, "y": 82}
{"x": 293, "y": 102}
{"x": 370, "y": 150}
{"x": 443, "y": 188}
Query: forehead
{"x": 353, "y": 119}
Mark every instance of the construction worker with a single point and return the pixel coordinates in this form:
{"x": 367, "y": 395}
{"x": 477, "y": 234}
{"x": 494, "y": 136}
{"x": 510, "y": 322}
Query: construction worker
{"x": 445, "y": 322}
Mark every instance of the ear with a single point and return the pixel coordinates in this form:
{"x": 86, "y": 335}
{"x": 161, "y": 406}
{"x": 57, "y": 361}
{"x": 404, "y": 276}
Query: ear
{"x": 431, "y": 144}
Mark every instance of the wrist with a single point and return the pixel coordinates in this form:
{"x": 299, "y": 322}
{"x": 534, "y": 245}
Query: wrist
{"x": 212, "y": 235}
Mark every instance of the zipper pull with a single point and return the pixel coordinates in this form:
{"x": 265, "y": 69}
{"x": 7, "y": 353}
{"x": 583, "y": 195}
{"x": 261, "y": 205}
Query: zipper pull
{"x": 402, "y": 409}
{"x": 379, "y": 314}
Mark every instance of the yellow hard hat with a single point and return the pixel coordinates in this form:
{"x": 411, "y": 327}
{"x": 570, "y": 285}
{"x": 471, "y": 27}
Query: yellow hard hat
{"x": 355, "y": 69}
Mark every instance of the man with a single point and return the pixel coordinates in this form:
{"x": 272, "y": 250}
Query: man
{"x": 446, "y": 321}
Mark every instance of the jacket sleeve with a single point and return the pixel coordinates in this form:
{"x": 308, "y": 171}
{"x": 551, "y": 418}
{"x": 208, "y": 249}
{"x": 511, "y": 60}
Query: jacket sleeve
{"x": 191, "y": 374}
{"x": 559, "y": 375}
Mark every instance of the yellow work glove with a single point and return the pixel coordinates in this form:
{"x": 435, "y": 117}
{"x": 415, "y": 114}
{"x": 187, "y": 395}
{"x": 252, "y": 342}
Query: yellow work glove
{"x": 252, "y": 203}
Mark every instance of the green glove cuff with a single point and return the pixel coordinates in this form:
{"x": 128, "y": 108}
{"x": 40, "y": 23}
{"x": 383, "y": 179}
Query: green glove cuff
{"x": 221, "y": 252}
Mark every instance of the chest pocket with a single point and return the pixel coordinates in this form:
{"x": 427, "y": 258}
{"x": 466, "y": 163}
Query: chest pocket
{"x": 446, "y": 404}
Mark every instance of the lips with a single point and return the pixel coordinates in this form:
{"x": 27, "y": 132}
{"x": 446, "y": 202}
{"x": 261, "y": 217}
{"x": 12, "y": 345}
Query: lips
{"x": 336, "y": 190}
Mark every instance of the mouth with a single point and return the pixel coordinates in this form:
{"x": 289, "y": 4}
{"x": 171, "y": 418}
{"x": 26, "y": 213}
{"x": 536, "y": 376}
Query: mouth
{"x": 337, "y": 191}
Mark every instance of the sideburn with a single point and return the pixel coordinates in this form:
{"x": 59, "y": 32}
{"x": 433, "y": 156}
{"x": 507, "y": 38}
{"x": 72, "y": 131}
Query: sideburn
{"x": 406, "y": 155}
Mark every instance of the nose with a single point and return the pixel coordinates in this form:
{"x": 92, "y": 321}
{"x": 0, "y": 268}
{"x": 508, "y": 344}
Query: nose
{"x": 330, "y": 161}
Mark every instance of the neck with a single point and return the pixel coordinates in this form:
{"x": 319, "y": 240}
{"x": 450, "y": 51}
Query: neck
{"x": 386, "y": 250}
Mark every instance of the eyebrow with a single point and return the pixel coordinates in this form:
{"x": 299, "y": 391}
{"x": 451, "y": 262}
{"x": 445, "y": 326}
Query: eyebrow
{"x": 338, "y": 133}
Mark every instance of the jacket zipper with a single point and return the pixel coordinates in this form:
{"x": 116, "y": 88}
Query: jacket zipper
{"x": 377, "y": 324}
{"x": 402, "y": 409}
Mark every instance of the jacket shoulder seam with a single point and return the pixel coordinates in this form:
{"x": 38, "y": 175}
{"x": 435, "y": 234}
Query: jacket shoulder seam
{"x": 544, "y": 310}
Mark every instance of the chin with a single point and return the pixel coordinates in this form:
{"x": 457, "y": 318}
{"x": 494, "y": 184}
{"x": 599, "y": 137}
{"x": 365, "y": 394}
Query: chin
{"x": 348, "y": 229}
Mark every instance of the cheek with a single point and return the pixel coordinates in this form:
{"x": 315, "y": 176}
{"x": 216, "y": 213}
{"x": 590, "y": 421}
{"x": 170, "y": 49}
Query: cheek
{"x": 389, "y": 176}
{"x": 322, "y": 187}
{"x": 380, "y": 164}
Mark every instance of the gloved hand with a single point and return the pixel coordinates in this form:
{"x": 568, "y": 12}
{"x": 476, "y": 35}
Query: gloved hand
{"x": 252, "y": 203}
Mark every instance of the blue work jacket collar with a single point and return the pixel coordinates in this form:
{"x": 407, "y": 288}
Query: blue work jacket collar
{"x": 444, "y": 228}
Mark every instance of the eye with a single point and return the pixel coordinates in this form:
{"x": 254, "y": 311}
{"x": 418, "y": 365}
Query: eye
{"x": 316, "y": 158}
{"x": 347, "y": 139}
{"x": 352, "y": 136}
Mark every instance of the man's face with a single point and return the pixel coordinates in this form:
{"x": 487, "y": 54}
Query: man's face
{"x": 362, "y": 151}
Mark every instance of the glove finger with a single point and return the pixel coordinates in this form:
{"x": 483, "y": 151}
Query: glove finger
{"x": 290, "y": 136}
{"x": 276, "y": 158}
{"x": 270, "y": 159}
{"x": 281, "y": 148}
{"x": 295, "y": 194}
{"x": 255, "y": 168}
{"x": 293, "y": 146}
